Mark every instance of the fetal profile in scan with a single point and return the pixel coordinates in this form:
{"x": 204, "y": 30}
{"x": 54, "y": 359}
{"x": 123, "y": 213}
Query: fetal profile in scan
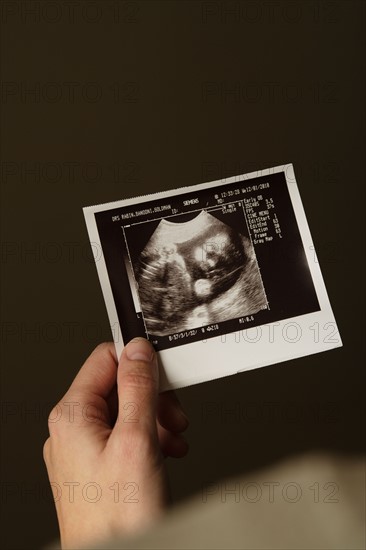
{"x": 197, "y": 273}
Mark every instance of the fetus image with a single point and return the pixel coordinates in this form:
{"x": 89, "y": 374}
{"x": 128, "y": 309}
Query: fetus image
{"x": 197, "y": 273}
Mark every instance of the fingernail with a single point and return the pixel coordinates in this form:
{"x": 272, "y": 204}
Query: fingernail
{"x": 184, "y": 418}
{"x": 180, "y": 410}
{"x": 139, "y": 349}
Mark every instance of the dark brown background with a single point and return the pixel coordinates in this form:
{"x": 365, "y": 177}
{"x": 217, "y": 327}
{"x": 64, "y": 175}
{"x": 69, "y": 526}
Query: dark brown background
{"x": 206, "y": 90}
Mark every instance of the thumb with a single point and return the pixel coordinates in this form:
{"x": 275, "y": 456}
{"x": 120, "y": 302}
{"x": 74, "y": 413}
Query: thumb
{"x": 138, "y": 386}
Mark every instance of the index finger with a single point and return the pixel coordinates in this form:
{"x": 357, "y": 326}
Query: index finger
{"x": 98, "y": 374}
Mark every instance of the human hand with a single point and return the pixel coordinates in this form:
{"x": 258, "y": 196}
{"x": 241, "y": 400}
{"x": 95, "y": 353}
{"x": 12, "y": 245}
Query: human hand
{"x": 108, "y": 438}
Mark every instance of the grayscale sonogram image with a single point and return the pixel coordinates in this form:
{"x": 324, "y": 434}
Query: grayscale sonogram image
{"x": 197, "y": 273}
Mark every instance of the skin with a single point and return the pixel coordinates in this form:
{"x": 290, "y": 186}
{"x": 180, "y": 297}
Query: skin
{"x": 109, "y": 436}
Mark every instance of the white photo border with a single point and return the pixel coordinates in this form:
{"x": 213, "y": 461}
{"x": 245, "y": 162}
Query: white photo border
{"x": 239, "y": 351}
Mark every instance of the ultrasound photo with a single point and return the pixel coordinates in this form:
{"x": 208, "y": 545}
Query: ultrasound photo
{"x": 219, "y": 276}
{"x": 195, "y": 273}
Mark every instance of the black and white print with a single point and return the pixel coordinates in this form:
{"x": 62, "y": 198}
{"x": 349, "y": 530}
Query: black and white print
{"x": 220, "y": 277}
{"x": 195, "y": 273}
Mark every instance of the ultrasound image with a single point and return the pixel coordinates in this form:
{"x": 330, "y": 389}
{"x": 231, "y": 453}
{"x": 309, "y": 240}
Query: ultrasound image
{"x": 197, "y": 273}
